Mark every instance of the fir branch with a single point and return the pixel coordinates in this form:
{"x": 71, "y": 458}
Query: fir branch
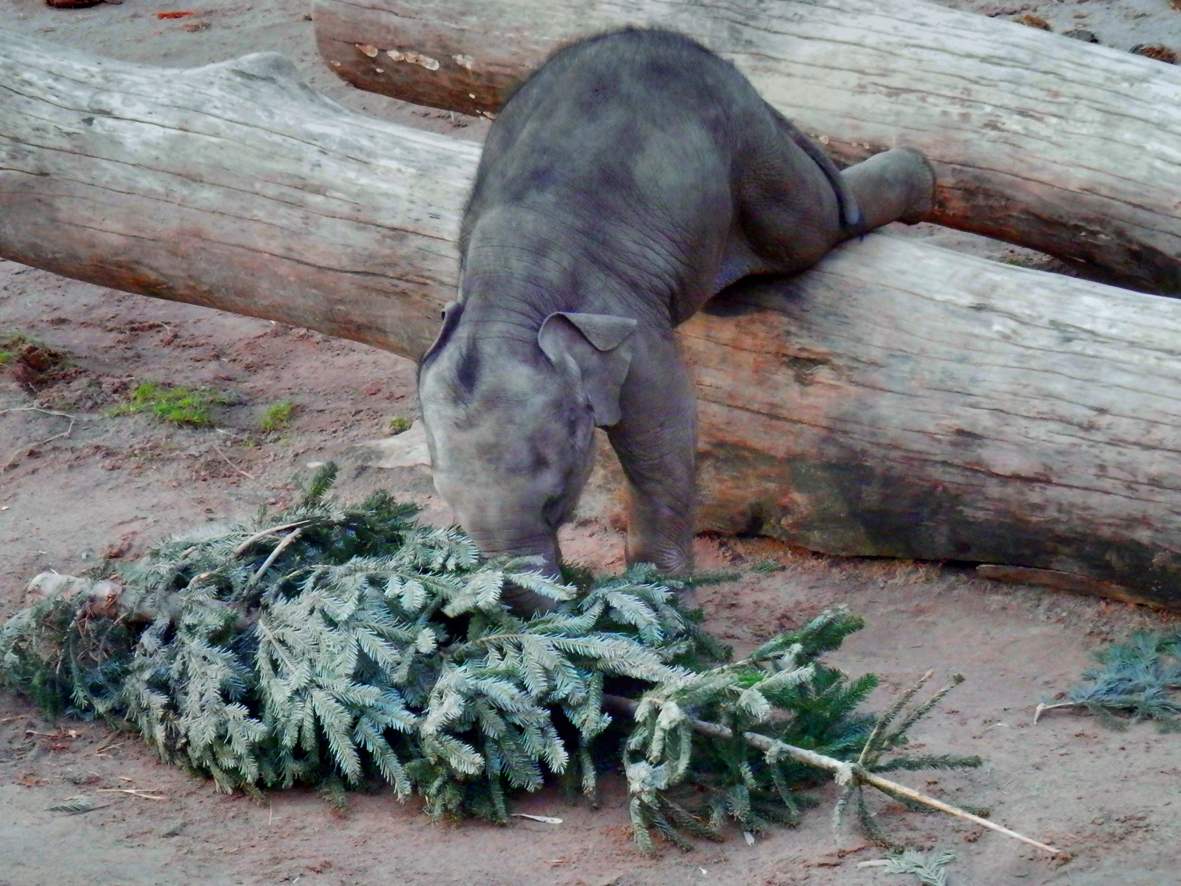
{"x": 846, "y": 773}
{"x": 1139, "y": 679}
{"x": 77, "y": 807}
{"x": 879, "y": 739}
{"x": 928, "y": 867}
{"x": 321, "y": 482}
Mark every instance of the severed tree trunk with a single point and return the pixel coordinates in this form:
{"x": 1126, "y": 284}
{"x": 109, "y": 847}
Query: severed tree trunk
{"x": 898, "y": 400}
{"x": 234, "y": 186}
{"x": 1037, "y": 139}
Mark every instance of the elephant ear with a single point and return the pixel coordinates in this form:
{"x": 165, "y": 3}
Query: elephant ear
{"x": 597, "y": 346}
{"x": 451, "y": 314}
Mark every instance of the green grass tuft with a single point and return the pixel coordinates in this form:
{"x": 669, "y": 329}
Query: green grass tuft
{"x": 12, "y": 340}
{"x": 277, "y": 415}
{"x": 176, "y": 405}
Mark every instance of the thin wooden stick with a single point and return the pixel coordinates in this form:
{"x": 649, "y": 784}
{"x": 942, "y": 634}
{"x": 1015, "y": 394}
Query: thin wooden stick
{"x": 844, "y": 771}
{"x": 226, "y": 458}
{"x": 108, "y": 745}
{"x": 1042, "y": 708}
{"x": 26, "y": 446}
{"x": 142, "y": 794}
{"x": 37, "y": 409}
{"x": 894, "y": 787}
{"x": 279, "y": 548}
{"x": 274, "y": 530}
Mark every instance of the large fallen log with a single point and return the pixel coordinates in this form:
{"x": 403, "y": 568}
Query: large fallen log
{"x": 897, "y": 400}
{"x": 1037, "y": 139}
{"x": 234, "y": 186}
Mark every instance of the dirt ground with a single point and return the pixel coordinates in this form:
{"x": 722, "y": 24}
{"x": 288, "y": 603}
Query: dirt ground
{"x": 78, "y": 485}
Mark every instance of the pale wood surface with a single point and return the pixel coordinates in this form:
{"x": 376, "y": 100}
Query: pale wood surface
{"x": 233, "y": 186}
{"x": 898, "y": 400}
{"x": 1038, "y": 139}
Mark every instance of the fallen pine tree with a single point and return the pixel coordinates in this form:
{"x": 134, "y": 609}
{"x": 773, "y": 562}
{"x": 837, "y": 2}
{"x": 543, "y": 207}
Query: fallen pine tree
{"x": 898, "y": 400}
{"x": 1037, "y": 139}
{"x": 335, "y": 645}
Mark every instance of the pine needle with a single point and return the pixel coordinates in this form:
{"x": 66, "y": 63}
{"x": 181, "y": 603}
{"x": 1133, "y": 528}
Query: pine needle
{"x": 78, "y": 807}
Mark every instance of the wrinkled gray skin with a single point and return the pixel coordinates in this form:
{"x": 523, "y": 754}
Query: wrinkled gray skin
{"x": 633, "y": 177}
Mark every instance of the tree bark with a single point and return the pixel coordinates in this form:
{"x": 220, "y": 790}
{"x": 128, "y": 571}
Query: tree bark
{"x": 234, "y": 186}
{"x": 913, "y": 402}
{"x": 898, "y": 400}
{"x": 1037, "y": 139}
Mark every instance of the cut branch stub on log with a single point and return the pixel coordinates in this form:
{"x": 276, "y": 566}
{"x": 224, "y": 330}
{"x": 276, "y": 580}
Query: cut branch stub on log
{"x": 897, "y": 400}
{"x": 1037, "y": 139}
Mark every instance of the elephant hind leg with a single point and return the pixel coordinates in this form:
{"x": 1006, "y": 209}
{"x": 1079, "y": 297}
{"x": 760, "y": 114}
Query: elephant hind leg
{"x": 851, "y": 218}
{"x": 789, "y": 214}
{"x": 896, "y": 185}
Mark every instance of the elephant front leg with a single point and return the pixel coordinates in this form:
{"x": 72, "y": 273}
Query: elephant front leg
{"x": 656, "y": 441}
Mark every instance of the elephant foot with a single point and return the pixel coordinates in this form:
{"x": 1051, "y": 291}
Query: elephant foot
{"x": 922, "y": 192}
{"x": 897, "y": 185}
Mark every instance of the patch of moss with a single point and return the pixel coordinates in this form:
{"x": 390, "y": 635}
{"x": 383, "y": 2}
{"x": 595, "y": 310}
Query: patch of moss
{"x": 12, "y": 340}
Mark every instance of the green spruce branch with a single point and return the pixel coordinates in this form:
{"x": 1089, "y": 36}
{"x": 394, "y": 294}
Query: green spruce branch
{"x": 929, "y": 867}
{"x": 1138, "y": 680}
{"x": 648, "y": 782}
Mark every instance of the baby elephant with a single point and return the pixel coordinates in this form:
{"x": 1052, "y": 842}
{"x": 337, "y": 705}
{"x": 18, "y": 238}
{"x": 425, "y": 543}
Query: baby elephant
{"x": 632, "y": 178}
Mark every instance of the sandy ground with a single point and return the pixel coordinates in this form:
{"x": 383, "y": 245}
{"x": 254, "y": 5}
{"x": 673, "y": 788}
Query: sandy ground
{"x": 78, "y": 486}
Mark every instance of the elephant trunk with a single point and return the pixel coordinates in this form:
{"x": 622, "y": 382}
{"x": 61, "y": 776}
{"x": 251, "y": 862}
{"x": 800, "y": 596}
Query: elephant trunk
{"x": 541, "y": 546}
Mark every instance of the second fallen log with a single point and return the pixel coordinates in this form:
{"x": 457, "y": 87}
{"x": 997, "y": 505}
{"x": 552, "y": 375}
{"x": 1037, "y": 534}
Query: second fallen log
{"x": 1037, "y": 139}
